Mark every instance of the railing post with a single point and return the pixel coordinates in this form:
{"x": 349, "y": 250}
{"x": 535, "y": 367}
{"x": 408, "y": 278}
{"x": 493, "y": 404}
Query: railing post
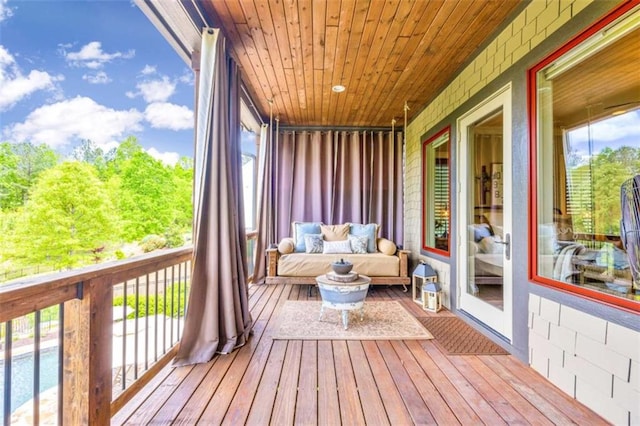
{"x": 86, "y": 381}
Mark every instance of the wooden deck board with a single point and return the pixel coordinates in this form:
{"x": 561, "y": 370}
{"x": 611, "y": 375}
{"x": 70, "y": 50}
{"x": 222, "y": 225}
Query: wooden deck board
{"x": 524, "y": 407}
{"x": 350, "y": 408}
{"x": 263, "y": 383}
{"x": 417, "y": 407}
{"x": 372, "y": 403}
{"x": 328, "y": 401}
{"x": 463, "y": 411}
{"x": 502, "y": 406}
{"x": 348, "y": 382}
{"x": 307, "y": 397}
{"x": 193, "y": 380}
{"x": 551, "y": 412}
{"x": 284, "y": 409}
{"x": 435, "y": 402}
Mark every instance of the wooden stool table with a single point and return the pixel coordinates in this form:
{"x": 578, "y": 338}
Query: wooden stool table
{"x": 343, "y": 296}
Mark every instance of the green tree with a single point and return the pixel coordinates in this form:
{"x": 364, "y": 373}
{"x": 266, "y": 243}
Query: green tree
{"x": 145, "y": 196}
{"x": 20, "y": 165}
{"x": 67, "y": 218}
{"x": 117, "y": 158}
{"x": 183, "y": 205}
{"x": 610, "y": 169}
{"x": 88, "y": 152}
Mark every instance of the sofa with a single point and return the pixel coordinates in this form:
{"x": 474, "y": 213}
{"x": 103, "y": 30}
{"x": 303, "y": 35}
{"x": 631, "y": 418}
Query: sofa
{"x": 313, "y": 246}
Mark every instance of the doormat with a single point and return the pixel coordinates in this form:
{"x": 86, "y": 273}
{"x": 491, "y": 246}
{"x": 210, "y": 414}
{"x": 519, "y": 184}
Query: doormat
{"x": 458, "y": 338}
{"x": 382, "y": 320}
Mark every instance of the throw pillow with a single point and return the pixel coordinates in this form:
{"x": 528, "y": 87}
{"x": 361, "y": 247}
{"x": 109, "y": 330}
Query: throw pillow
{"x": 300, "y": 229}
{"x": 358, "y": 243}
{"x": 488, "y": 245}
{"x": 387, "y": 247}
{"x": 480, "y": 231}
{"x": 369, "y": 230}
{"x": 335, "y": 232}
{"x": 286, "y": 246}
{"x": 313, "y": 243}
{"x": 336, "y": 247}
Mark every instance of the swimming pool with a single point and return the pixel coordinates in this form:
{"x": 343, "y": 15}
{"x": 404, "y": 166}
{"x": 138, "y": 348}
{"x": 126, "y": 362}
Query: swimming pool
{"x": 22, "y": 376}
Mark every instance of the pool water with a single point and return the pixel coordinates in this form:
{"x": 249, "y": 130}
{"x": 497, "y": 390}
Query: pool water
{"x": 22, "y": 376}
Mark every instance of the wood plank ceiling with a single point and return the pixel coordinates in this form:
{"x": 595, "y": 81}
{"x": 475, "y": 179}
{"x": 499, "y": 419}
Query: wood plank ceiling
{"x": 384, "y": 52}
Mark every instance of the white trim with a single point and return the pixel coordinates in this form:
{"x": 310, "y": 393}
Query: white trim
{"x": 499, "y": 320}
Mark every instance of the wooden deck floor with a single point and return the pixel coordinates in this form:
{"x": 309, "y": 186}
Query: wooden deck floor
{"x": 402, "y": 382}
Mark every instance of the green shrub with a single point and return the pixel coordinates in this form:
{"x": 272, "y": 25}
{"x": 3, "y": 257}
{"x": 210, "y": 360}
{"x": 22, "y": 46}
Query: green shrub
{"x": 119, "y": 254}
{"x": 174, "y": 237}
{"x": 153, "y": 242}
{"x": 163, "y": 305}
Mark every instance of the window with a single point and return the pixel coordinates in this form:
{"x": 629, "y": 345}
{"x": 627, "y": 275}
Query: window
{"x": 435, "y": 200}
{"x": 586, "y": 163}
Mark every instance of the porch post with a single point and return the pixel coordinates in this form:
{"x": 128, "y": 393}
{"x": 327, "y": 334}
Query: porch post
{"x": 88, "y": 335}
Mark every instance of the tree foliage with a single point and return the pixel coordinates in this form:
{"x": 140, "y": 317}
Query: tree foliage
{"x": 79, "y": 211}
{"x": 67, "y": 219}
{"x": 597, "y": 192}
{"x": 145, "y": 197}
{"x": 20, "y": 165}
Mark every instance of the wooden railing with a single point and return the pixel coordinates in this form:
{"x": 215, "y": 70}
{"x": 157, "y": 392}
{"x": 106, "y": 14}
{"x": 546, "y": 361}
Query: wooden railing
{"x": 85, "y": 297}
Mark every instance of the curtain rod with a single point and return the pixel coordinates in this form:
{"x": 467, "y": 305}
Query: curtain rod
{"x": 244, "y": 93}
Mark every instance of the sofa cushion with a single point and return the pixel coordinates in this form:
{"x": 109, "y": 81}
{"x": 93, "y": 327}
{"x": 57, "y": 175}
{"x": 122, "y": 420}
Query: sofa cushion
{"x": 300, "y": 229}
{"x": 336, "y": 247}
{"x": 387, "y": 247}
{"x": 335, "y": 232}
{"x": 313, "y": 243}
{"x": 358, "y": 243}
{"x": 480, "y": 230}
{"x": 369, "y": 230}
{"x": 490, "y": 245}
{"x": 312, "y": 265}
{"x": 286, "y": 246}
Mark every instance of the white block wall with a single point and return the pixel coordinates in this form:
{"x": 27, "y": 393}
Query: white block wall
{"x": 593, "y": 360}
{"x": 534, "y": 24}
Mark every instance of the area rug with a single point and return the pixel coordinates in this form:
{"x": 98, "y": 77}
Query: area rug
{"x": 383, "y": 320}
{"x": 458, "y": 338}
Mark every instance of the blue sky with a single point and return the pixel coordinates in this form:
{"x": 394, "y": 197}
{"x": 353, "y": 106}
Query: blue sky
{"x": 98, "y": 70}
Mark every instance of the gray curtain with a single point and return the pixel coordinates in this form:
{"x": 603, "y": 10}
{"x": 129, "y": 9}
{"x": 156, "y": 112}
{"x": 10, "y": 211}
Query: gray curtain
{"x": 217, "y": 318}
{"x": 337, "y": 177}
{"x": 266, "y": 209}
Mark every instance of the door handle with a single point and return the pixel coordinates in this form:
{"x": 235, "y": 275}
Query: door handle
{"x": 507, "y": 245}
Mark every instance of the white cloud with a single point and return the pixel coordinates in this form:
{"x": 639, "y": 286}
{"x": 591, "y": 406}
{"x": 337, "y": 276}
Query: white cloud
{"x": 154, "y": 90}
{"x": 14, "y": 86}
{"x": 5, "y": 11}
{"x": 610, "y": 129}
{"x": 187, "y": 77}
{"x": 163, "y": 115}
{"x": 79, "y": 118}
{"x": 148, "y": 69}
{"x": 92, "y": 56}
{"x": 100, "y": 77}
{"x": 168, "y": 158}
{"x": 613, "y": 132}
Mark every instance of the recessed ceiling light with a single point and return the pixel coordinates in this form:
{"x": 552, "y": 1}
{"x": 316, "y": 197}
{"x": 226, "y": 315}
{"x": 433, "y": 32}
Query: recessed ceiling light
{"x": 338, "y": 88}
